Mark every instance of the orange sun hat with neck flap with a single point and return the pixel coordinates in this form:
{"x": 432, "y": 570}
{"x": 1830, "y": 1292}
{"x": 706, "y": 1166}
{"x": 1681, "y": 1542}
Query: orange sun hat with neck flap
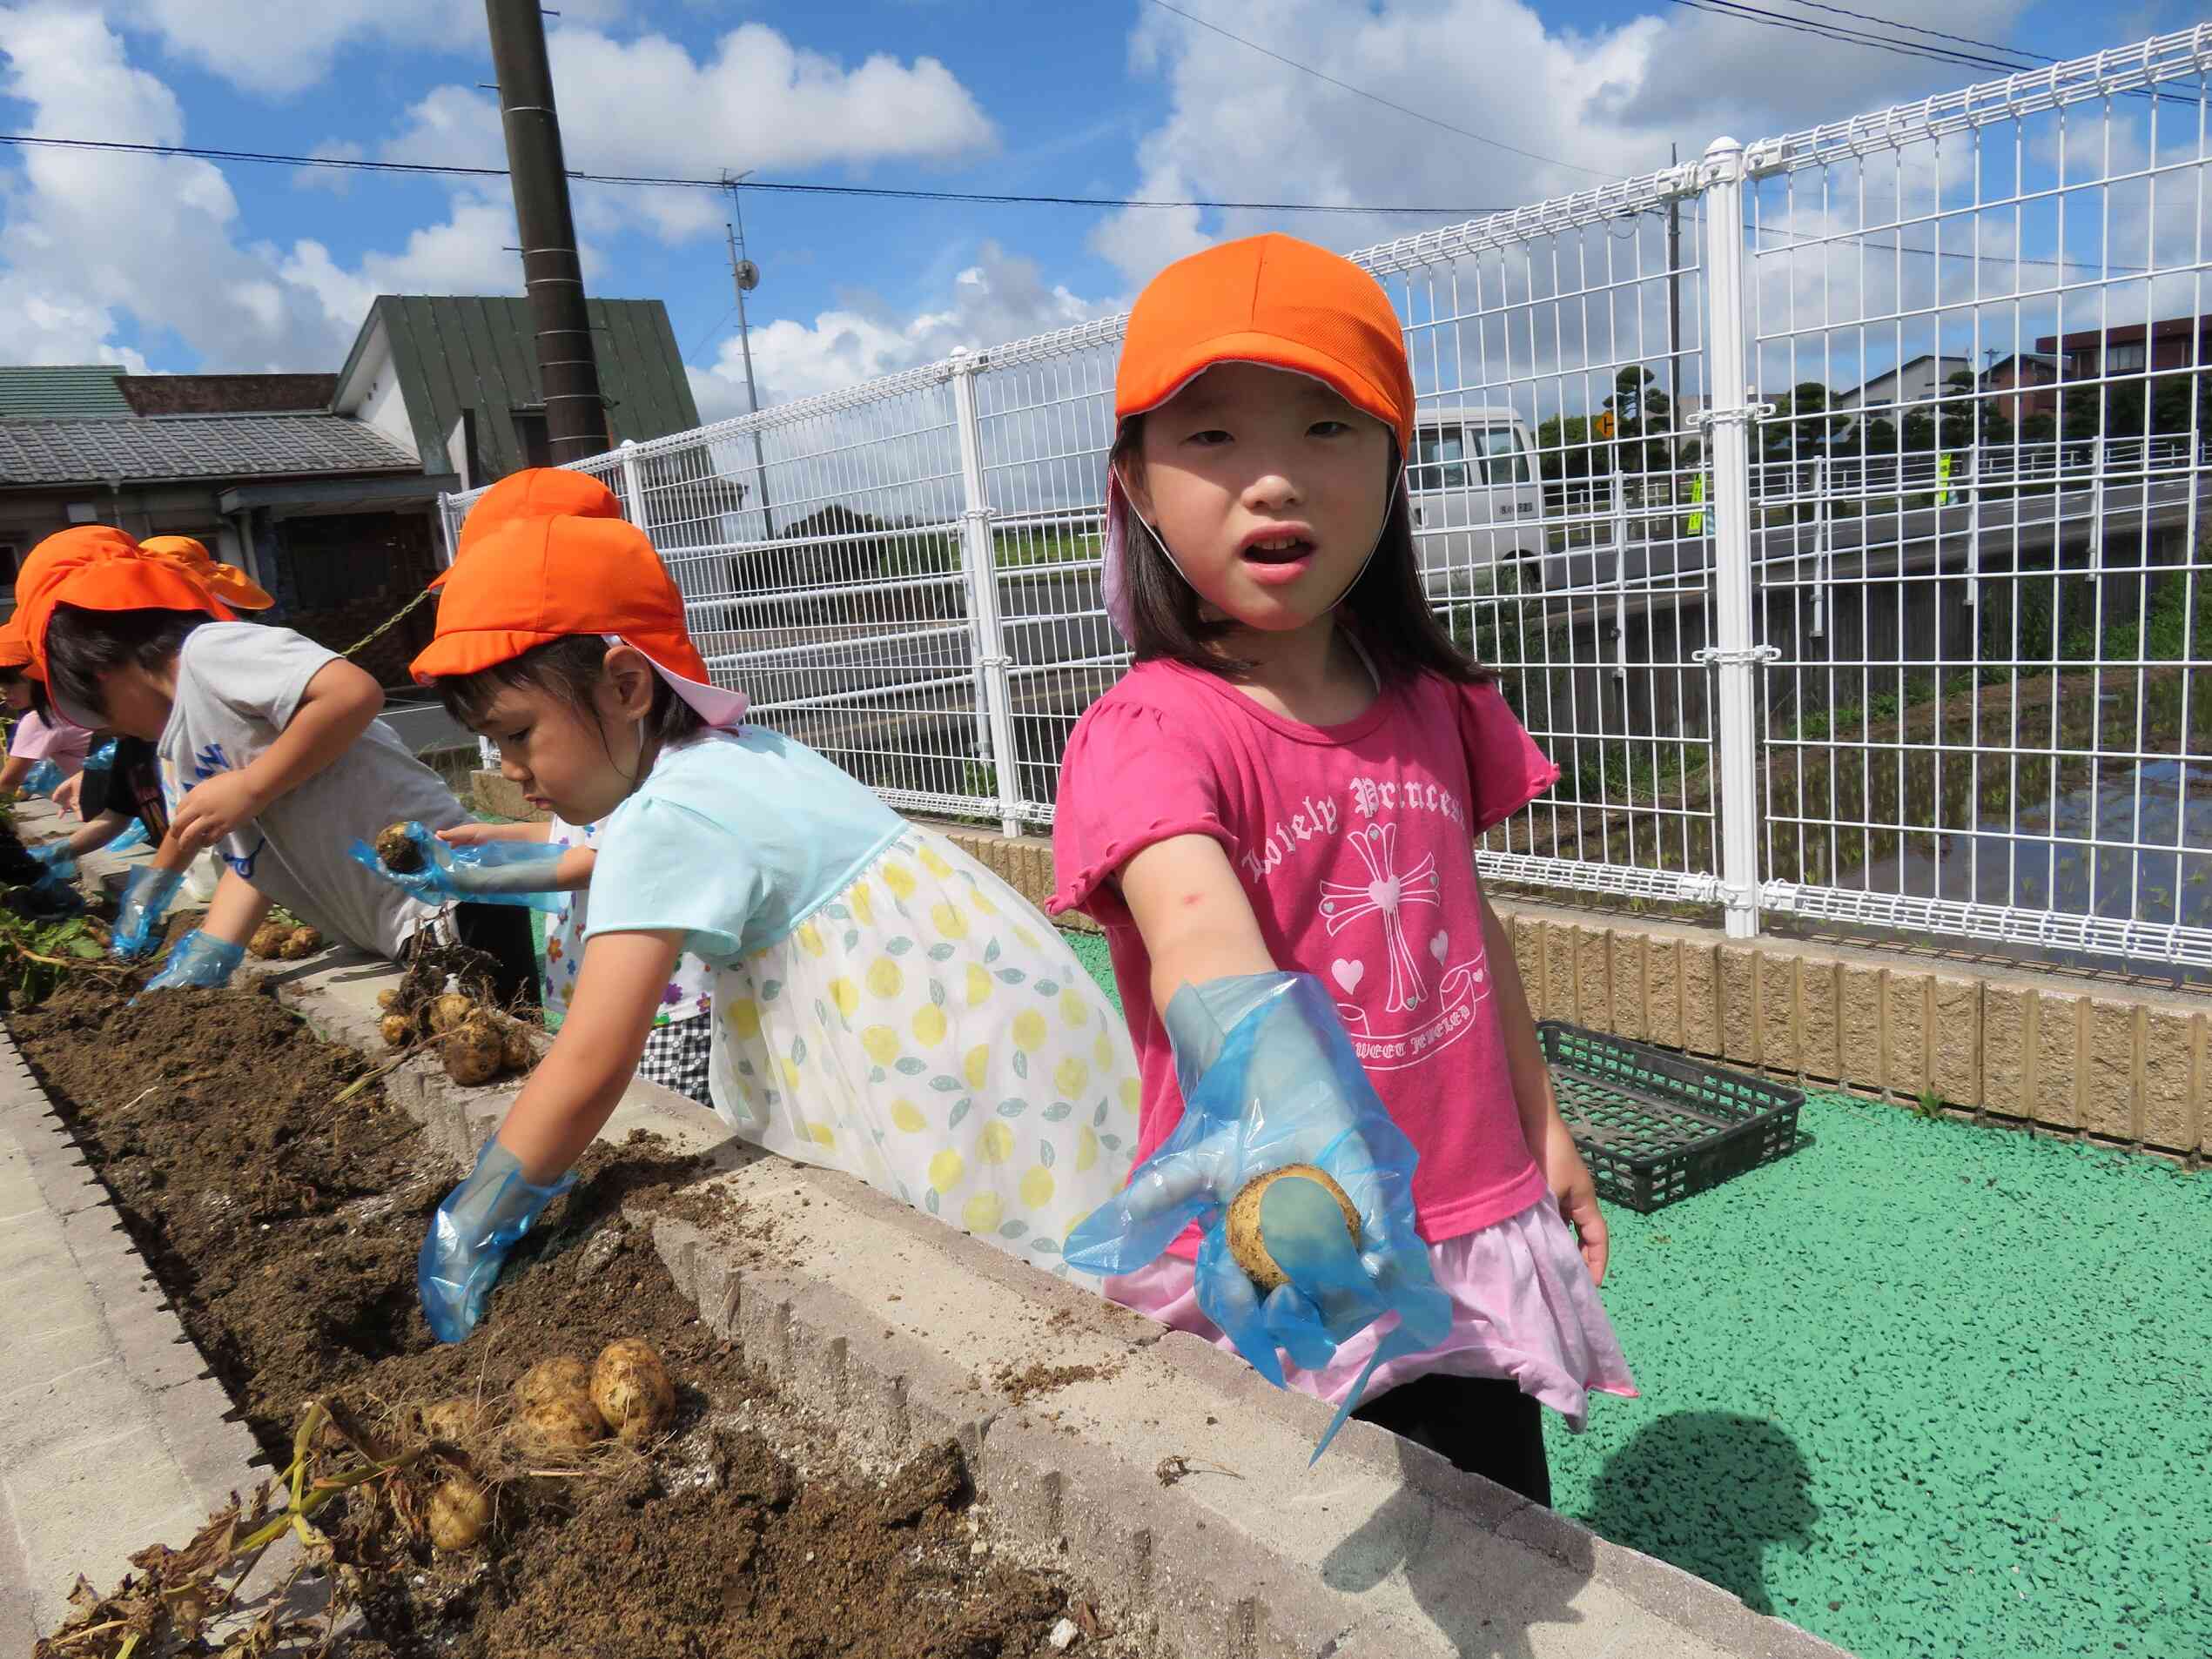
{"x": 227, "y": 582}
{"x": 533, "y": 493}
{"x": 530, "y": 582}
{"x": 15, "y": 646}
{"x": 97, "y": 568}
{"x": 1272, "y": 300}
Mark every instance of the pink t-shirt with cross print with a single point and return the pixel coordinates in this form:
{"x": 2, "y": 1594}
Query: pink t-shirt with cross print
{"x": 1355, "y": 845}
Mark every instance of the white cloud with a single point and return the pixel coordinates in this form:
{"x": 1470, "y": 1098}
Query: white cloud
{"x": 645, "y": 105}
{"x": 1001, "y": 297}
{"x": 91, "y": 236}
{"x": 469, "y": 253}
{"x": 1598, "y": 106}
{"x": 242, "y": 42}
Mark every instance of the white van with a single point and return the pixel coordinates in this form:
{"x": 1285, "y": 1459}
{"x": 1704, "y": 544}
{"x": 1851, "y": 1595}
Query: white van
{"x": 1476, "y": 495}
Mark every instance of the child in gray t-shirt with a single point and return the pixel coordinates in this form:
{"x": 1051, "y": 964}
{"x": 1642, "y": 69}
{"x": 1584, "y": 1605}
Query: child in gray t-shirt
{"x": 271, "y": 751}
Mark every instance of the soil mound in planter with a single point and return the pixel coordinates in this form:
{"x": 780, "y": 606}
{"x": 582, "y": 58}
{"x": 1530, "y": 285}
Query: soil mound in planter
{"x": 285, "y": 1229}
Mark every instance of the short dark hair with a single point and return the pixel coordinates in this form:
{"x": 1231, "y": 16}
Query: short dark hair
{"x": 569, "y": 669}
{"x": 82, "y": 645}
{"x": 1385, "y": 609}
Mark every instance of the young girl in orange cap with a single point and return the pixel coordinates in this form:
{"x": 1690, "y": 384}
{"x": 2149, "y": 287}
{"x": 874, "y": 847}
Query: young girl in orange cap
{"x": 270, "y": 749}
{"x": 676, "y": 1053}
{"x": 882, "y": 1003}
{"x": 1289, "y": 782}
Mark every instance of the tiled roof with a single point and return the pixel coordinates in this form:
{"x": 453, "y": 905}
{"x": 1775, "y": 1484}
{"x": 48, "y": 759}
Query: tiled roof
{"x": 62, "y": 389}
{"x": 242, "y": 447}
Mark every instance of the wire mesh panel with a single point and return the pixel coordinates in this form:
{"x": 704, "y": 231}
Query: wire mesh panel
{"x": 1960, "y": 535}
{"x": 1981, "y": 323}
{"x": 1557, "y": 511}
{"x": 1045, "y": 415}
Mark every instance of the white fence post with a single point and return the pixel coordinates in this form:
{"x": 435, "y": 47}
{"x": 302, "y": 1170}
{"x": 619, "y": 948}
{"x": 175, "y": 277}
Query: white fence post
{"x": 633, "y": 491}
{"x": 1734, "y": 655}
{"x": 994, "y": 721}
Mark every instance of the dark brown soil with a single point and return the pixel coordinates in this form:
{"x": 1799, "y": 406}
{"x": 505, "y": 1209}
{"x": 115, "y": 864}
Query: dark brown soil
{"x": 285, "y": 1229}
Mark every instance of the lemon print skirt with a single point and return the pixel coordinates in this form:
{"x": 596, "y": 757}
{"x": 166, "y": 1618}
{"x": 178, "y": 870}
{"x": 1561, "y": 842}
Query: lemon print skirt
{"x": 926, "y": 1030}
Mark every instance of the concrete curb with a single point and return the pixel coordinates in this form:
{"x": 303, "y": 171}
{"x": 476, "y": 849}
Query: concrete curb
{"x": 902, "y": 1332}
{"x": 116, "y": 1435}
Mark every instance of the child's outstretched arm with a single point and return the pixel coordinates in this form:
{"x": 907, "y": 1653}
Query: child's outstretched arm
{"x": 1191, "y": 909}
{"x": 1550, "y": 1143}
{"x": 525, "y": 1166}
{"x": 338, "y": 705}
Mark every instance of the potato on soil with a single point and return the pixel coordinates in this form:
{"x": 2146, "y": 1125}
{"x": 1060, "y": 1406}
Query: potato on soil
{"x": 460, "y": 1511}
{"x": 557, "y": 1425}
{"x": 301, "y": 943}
{"x": 448, "y": 1011}
{"x": 473, "y": 1053}
{"x": 516, "y": 1049}
{"x": 397, "y": 848}
{"x": 1245, "y": 1242}
{"x": 458, "y": 1419}
{"x": 631, "y": 1389}
{"x": 564, "y": 1376}
{"x": 268, "y": 939}
{"x": 387, "y": 1001}
{"x": 397, "y": 1029}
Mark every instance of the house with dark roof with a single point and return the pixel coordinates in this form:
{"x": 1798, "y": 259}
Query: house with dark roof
{"x": 324, "y": 488}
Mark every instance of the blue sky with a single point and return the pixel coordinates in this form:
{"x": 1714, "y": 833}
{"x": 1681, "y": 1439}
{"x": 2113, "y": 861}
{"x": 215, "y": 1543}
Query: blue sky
{"x": 181, "y": 265}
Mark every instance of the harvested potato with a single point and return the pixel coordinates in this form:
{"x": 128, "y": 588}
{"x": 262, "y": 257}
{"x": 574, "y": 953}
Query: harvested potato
{"x": 460, "y": 1511}
{"x": 387, "y": 1001}
{"x": 459, "y": 1419}
{"x": 473, "y": 1053}
{"x": 397, "y": 1029}
{"x": 517, "y": 1050}
{"x": 557, "y": 1425}
{"x": 1245, "y": 1242}
{"x": 565, "y": 1375}
{"x": 299, "y": 942}
{"x": 397, "y": 848}
{"x": 449, "y": 1011}
{"x": 268, "y": 939}
{"x": 630, "y": 1388}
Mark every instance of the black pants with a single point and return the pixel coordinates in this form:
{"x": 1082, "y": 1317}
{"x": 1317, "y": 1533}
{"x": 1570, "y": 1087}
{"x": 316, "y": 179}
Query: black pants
{"x": 1483, "y": 1425}
{"x": 502, "y": 931}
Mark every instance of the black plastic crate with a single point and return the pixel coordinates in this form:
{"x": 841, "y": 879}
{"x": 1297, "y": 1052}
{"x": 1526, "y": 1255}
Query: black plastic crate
{"x": 1655, "y": 1127}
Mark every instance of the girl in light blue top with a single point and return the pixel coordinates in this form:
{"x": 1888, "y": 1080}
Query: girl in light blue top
{"x": 881, "y": 1003}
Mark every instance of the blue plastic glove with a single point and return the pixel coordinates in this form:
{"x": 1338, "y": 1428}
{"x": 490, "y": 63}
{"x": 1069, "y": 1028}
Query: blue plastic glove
{"x": 199, "y": 962}
{"x": 146, "y": 900}
{"x": 1269, "y": 1079}
{"x": 59, "y": 885}
{"x": 101, "y": 758}
{"x": 134, "y": 836}
{"x": 499, "y": 872}
{"x": 480, "y": 1221}
{"x": 42, "y": 779}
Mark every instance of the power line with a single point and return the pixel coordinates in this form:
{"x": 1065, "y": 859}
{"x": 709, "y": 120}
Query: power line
{"x": 453, "y": 170}
{"x": 1845, "y": 36}
{"x": 2009, "y": 65}
{"x": 1375, "y": 97}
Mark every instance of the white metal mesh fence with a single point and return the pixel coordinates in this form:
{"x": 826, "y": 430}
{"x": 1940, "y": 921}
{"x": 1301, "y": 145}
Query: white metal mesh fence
{"x": 1829, "y": 508}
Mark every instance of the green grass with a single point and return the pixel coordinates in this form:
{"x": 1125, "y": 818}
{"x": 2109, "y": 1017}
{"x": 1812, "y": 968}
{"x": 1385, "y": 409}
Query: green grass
{"x": 1930, "y": 1390}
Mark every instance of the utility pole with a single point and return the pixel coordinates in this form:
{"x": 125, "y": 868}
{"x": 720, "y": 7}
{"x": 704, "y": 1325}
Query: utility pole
{"x": 575, "y": 416}
{"x": 744, "y": 275}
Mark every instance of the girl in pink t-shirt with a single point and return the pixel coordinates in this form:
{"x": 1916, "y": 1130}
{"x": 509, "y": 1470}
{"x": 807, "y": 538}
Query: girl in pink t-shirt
{"x": 1292, "y": 777}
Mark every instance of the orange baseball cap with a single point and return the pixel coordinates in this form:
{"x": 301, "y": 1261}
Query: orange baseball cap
{"x": 1272, "y": 300}
{"x": 226, "y": 583}
{"x": 532, "y": 580}
{"x": 96, "y": 567}
{"x": 533, "y": 493}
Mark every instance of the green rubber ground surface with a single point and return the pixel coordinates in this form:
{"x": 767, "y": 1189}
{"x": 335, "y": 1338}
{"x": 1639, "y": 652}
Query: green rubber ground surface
{"x": 1931, "y": 1390}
